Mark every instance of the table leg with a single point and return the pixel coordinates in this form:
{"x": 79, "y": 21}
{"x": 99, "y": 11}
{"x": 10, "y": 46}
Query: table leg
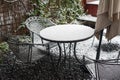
{"x": 74, "y": 51}
{"x": 63, "y": 50}
{"x": 70, "y": 45}
{"x": 65, "y": 54}
{"x": 60, "y": 53}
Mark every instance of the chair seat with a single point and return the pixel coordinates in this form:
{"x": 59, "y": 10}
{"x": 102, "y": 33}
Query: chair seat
{"x": 105, "y": 70}
{"x": 109, "y": 72}
{"x": 23, "y": 54}
{"x": 23, "y": 49}
{"x": 38, "y": 40}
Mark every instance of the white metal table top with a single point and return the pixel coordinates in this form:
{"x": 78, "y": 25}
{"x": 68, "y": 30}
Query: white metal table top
{"x": 67, "y": 33}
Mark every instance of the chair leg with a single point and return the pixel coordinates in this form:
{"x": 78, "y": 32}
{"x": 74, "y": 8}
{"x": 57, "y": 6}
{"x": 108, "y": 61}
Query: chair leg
{"x": 29, "y": 60}
{"x": 93, "y": 41}
{"x": 84, "y": 64}
{"x": 85, "y": 68}
{"x": 118, "y": 56}
{"x": 99, "y": 46}
{"x": 97, "y": 71}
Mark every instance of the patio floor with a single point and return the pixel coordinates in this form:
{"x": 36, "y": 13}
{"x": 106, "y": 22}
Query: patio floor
{"x": 44, "y": 69}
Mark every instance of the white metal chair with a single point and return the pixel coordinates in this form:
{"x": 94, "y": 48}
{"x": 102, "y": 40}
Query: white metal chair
{"x": 34, "y": 25}
{"x": 103, "y": 69}
{"x": 23, "y": 48}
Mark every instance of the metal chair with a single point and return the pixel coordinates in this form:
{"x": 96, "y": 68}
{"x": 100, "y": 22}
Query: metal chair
{"x": 34, "y": 25}
{"x": 103, "y": 69}
{"x": 23, "y": 48}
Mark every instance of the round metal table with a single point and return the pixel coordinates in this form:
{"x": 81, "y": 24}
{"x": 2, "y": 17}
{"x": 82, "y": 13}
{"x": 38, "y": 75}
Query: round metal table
{"x": 68, "y": 34}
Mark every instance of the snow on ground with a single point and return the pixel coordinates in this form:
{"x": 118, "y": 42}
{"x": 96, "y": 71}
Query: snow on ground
{"x": 86, "y": 48}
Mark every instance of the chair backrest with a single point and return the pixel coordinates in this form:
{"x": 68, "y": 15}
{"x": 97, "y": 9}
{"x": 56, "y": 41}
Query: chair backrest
{"x": 105, "y": 69}
{"x": 32, "y": 23}
{"x": 36, "y": 23}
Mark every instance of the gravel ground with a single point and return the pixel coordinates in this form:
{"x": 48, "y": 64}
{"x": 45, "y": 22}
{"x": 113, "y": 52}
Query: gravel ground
{"x": 45, "y": 68}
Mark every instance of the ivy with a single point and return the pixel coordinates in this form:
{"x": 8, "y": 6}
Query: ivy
{"x": 4, "y": 47}
{"x": 60, "y": 11}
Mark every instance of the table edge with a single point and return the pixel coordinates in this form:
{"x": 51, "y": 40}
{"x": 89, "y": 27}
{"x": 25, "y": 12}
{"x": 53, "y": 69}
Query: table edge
{"x": 70, "y": 41}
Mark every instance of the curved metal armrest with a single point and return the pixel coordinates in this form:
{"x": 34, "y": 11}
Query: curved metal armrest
{"x": 107, "y": 61}
{"x": 24, "y": 50}
{"x": 24, "y": 43}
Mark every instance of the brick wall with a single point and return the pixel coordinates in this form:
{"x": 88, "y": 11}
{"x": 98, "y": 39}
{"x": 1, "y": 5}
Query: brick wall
{"x": 11, "y": 16}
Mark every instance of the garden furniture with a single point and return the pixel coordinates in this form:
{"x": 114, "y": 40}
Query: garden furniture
{"x": 24, "y": 49}
{"x": 103, "y": 69}
{"x": 35, "y": 24}
{"x": 67, "y": 36}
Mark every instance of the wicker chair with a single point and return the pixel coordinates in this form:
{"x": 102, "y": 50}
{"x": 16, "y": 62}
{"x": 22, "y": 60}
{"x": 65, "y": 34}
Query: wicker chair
{"x": 34, "y": 25}
{"x": 103, "y": 69}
